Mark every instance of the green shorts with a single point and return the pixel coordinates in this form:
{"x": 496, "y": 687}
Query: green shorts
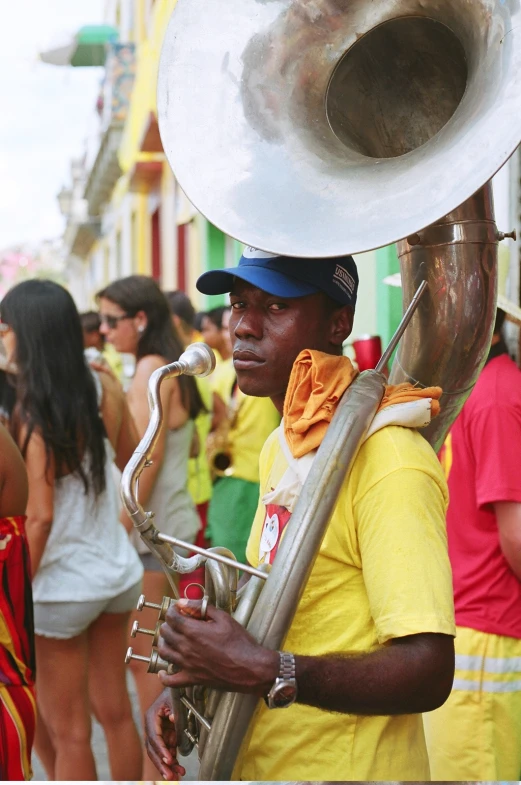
{"x": 231, "y": 512}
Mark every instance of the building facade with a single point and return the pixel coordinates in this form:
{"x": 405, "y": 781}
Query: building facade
{"x": 128, "y": 214}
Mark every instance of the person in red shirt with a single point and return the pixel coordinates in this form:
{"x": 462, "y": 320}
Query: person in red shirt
{"x": 476, "y": 735}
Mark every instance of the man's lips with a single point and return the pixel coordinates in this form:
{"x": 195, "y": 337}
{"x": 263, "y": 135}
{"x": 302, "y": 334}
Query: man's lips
{"x": 243, "y": 360}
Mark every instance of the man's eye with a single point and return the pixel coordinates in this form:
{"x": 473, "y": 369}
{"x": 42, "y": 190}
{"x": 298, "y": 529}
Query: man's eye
{"x": 237, "y": 305}
{"x": 278, "y": 307}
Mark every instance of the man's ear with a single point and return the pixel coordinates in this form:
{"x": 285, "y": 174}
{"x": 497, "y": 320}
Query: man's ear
{"x": 341, "y": 325}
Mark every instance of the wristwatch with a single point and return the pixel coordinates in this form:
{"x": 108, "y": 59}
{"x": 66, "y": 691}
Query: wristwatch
{"x": 284, "y": 691}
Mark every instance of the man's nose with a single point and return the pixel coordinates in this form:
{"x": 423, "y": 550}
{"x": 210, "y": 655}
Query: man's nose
{"x": 249, "y": 325}
{"x": 103, "y": 328}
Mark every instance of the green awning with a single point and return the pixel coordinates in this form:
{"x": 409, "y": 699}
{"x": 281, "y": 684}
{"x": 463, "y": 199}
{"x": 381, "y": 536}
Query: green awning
{"x": 91, "y": 45}
{"x": 88, "y": 48}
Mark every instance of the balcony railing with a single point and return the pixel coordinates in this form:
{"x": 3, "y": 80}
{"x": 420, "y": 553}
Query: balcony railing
{"x": 113, "y": 106}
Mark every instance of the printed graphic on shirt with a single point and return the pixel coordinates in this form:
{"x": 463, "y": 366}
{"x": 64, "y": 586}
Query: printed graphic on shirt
{"x": 275, "y": 522}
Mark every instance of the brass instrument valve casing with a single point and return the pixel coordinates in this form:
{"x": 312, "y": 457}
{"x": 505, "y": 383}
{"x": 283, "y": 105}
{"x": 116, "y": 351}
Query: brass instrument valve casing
{"x": 154, "y": 662}
{"x": 163, "y": 608}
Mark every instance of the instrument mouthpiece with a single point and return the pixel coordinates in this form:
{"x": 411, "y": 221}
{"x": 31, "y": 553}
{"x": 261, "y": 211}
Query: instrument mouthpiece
{"x": 198, "y": 360}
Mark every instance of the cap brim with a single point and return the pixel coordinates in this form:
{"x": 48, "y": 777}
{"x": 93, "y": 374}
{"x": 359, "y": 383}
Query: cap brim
{"x": 269, "y": 280}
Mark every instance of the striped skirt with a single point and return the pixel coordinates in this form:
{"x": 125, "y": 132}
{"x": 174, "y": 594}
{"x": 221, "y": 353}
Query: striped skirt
{"x": 17, "y": 661}
{"x": 17, "y": 723}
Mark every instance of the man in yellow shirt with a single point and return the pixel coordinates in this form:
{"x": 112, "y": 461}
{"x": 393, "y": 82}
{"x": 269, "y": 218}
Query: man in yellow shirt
{"x": 371, "y": 645}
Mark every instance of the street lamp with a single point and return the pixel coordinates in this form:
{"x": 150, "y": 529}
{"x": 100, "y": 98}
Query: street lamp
{"x": 65, "y": 201}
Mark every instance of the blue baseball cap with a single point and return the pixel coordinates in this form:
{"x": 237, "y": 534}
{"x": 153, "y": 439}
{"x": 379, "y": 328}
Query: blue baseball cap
{"x": 284, "y": 276}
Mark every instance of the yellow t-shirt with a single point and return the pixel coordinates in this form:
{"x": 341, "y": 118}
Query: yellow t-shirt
{"x": 199, "y": 478}
{"x": 222, "y": 380}
{"x": 255, "y": 419}
{"x": 382, "y": 572}
{"x": 114, "y": 360}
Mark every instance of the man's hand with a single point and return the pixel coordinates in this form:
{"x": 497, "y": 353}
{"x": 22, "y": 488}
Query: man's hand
{"x": 161, "y": 738}
{"x": 217, "y": 652}
{"x": 102, "y": 366}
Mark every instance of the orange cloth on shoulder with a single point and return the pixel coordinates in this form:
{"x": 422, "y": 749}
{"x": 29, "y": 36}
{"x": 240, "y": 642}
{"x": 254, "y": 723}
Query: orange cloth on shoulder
{"x": 317, "y": 383}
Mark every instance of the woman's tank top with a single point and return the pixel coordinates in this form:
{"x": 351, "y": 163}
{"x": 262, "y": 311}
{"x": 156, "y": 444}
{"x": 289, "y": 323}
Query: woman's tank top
{"x": 170, "y": 501}
{"x": 88, "y": 555}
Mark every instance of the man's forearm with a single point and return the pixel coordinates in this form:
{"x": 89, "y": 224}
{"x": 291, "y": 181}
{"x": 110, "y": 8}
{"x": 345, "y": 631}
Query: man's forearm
{"x": 409, "y": 676}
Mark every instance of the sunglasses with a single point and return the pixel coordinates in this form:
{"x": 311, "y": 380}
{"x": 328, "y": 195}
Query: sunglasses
{"x": 112, "y": 321}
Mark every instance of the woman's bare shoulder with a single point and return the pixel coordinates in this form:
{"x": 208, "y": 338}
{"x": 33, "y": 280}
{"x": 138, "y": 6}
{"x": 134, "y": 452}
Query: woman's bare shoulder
{"x": 147, "y": 365}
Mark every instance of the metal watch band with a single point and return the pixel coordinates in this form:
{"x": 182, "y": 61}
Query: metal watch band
{"x": 287, "y": 666}
{"x": 278, "y": 697}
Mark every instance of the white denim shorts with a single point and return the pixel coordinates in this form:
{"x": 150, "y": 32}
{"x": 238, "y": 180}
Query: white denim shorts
{"x": 64, "y": 620}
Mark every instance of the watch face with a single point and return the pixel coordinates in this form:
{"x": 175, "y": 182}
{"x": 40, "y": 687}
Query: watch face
{"x": 283, "y": 695}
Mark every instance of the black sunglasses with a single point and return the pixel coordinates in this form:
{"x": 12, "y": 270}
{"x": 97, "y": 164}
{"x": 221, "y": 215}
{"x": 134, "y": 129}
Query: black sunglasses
{"x": 113, "y": 321}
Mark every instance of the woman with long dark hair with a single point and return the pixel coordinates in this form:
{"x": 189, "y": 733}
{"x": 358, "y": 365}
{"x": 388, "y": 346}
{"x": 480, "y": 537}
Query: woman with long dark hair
{"x": 136, "y": 318}
{"x": 86, "y": 575}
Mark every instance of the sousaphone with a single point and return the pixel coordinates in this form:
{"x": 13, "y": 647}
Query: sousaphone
{"x": 318, "y": 128}
{"x": 324, "y": 127}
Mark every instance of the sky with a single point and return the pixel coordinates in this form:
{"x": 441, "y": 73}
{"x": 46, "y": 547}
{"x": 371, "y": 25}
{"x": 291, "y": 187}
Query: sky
{"x": 45, "y": 114}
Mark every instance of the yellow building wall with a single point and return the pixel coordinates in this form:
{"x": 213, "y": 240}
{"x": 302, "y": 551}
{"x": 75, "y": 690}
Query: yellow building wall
{"x": 144, "y": 100}
{"x": 149, "y": 35}
{"x": 144, "y": 260}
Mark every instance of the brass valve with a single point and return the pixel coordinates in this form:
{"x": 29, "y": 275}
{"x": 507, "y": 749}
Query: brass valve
{"x": 163, "y": 608}
{"x": 136, "y": 629}
{"x": 504, "y": 235}
{"x": 155, "y": 663}
{"x": 167, "y": 602}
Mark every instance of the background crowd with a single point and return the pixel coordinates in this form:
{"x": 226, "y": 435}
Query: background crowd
{"x": 76, "y": 417}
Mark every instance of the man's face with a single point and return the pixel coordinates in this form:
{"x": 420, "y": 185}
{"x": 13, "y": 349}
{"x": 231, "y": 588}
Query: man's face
{"x": 93, "y": 338}
{"x": 211, "y": 333}
{"x": 225, "y": 332}
{"x": 268, "y": 333}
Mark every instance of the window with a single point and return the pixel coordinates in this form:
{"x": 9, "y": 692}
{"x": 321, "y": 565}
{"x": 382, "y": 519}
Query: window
{"x": 156, "y": 244}
{"x": 119, "y": 252}
{"x": 183, "y": 239}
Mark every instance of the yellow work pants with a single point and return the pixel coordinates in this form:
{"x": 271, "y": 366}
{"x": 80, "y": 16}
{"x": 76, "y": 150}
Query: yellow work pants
{"x": 476, "y": 734}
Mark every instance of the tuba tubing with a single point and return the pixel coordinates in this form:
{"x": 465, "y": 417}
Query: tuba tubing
{"x": 298, "y": 550}
{"x": 193, "y": 710}
{"x": 452, "y": 328}
{"x": 197, "y": 360}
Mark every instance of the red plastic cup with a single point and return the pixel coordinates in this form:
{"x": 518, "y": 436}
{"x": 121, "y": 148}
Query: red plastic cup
{"x": 368, "y": 350}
